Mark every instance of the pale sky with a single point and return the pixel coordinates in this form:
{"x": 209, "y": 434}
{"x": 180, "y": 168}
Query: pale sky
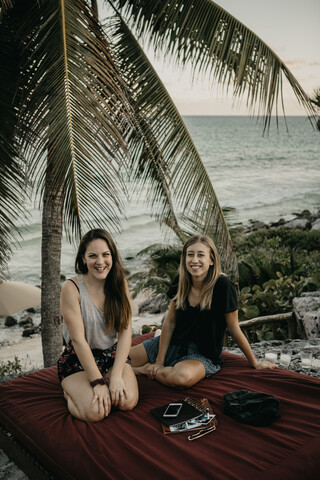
{"x": 290, "y": 27}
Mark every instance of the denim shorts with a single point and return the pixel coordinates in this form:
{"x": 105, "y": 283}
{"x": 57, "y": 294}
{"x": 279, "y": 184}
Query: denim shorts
{"x": 179, "y": 353}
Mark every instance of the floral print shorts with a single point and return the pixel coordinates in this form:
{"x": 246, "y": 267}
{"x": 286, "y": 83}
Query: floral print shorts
{"x": 68, "y": 363}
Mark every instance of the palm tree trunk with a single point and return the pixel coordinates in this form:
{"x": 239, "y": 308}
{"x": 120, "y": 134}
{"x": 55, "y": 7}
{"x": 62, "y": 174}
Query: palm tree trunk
{"x": 50, "y": 273}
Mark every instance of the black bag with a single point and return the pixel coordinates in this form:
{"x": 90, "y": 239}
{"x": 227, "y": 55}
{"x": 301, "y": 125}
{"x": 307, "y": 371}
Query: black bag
{"x": 253, "y": 408}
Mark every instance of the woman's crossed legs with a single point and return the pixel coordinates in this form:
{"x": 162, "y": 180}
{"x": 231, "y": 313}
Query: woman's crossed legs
{"x": 183, "y": 374}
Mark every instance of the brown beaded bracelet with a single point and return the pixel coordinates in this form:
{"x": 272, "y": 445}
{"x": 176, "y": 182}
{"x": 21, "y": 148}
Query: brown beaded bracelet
{"x": 98, "y": 381}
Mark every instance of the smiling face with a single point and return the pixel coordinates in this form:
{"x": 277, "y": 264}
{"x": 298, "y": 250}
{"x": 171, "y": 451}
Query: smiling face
{"x": 98, "y": 259}
{"x": 198, "y": 260}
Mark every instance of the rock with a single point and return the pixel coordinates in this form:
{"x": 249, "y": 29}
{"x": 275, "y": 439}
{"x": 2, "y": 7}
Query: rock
{"x": 31, "y": 310}
{"x": 316, "y": 225}
{"x": 8, "y": 470}
{"x": 303, "y": 214}
{"x": 27, "y": 332}
{"x": 279, "y": 223}
{"x": 298, "y": 223}
{"x": 307, "y": 311}
{"x": 314, "y": 341}
{"x": 275, "y": 343}
{"x": 295, "y": 346}
{"x": 10, "y": 322}
{"x": 256, "y": 225}
{"x": 26, "y": 322}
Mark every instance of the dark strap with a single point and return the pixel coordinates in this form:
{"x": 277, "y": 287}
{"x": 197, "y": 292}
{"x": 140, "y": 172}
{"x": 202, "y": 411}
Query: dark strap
{"x": 70, "y": 279}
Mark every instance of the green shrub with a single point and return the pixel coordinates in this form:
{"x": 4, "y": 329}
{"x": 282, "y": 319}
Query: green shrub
{"x": 9, "y": 368}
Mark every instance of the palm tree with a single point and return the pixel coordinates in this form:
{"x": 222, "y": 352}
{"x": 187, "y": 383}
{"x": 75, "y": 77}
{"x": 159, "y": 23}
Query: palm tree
{"x": 89, "y": 111}
{"x": 71, "y": 126}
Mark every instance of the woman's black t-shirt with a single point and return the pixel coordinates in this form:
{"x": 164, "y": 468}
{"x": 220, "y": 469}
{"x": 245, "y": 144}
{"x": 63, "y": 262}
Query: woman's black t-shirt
{"x": 205, "y": 328}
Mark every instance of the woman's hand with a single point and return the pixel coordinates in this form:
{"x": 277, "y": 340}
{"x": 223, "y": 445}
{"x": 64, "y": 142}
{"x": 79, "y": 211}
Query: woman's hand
{"x": 101, "y": 395}
{"x": 117, "y": 390}
{"x": 152, "y": 370}
{"x": 264, "y": 364}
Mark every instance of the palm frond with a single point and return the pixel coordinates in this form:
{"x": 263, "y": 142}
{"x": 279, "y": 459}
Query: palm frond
{"x": 73, "y": 111}
{"x": 149, "y": 282}
{"x": 315, "y": 99}
{"x": 162, "y": 266}
{"x": 162, "y": 251}
{"x": 164, "y": 156}
{"x": 12, "y": 184}
{"x": 6, "y": 4}
{"x": 202, "y": 34}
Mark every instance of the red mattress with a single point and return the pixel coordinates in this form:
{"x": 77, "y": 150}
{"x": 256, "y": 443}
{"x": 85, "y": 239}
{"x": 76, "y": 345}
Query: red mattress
{"x": 131, "y": 446}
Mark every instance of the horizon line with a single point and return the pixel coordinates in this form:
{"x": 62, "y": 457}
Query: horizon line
{"x": 239, "y": 115}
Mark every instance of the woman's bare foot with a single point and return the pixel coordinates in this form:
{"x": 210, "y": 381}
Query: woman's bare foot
{"x": 142, "y": 370}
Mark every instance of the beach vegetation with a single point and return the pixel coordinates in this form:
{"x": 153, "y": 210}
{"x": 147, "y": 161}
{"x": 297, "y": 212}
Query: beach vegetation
{"x": 161, "y": 262}
{"x": 149, "y": 328}
{"x": 274, "y": 253}
{"x": 275, "y": 266}
{"x": 10, "y": 367}
{"x": 85, "y": 111}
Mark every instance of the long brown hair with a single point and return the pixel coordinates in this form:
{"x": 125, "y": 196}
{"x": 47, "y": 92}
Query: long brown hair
{"x": 185, "y": 279}
{"x": 117, "y": 306}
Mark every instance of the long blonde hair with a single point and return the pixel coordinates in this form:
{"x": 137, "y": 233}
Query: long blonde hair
{"x": 185, "y": 279}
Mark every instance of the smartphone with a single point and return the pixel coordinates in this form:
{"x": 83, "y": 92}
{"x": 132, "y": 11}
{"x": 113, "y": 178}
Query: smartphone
{"x": 172, "y": 410}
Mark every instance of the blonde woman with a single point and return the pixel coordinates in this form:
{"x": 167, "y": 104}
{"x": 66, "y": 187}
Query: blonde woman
{"x": 94, "y": 369}
{"x": 203, "y": 304}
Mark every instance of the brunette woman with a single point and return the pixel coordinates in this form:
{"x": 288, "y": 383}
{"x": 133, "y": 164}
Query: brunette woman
{"x": 94, "y": 369}
{"x": 203, "y": 304}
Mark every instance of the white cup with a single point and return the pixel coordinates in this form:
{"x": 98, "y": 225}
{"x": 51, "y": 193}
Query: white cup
{"x": 285, "y": 358}
{"x": 306, "y": 358}
{"x": 271, "y": 357}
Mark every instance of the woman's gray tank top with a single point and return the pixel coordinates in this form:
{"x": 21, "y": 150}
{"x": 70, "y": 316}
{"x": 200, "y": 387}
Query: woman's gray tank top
{"x": 94, "y": 323}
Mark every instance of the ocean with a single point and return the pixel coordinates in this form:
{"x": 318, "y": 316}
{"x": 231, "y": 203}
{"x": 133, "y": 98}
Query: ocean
{"x": 263, "y": 177}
